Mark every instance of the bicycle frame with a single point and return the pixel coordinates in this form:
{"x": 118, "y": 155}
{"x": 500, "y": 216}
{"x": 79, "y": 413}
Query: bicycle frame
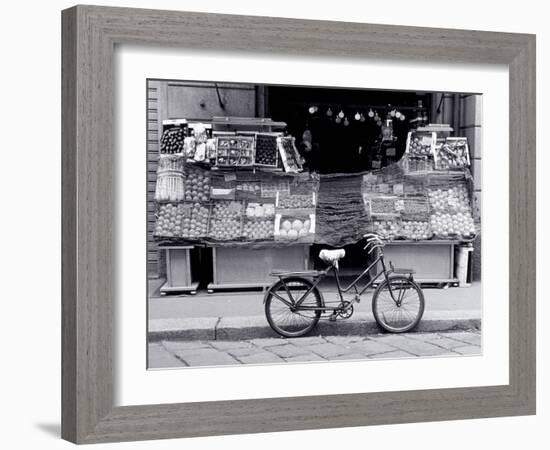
{"x": 341, "y": 290}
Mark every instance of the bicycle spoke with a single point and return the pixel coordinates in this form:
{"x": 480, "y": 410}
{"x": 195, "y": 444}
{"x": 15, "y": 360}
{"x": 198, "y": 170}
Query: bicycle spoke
{"x": 399, "y": 313}
{"x": 287, "y": 318}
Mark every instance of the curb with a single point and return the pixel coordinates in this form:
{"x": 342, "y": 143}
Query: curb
{"x": 253, "y": 327}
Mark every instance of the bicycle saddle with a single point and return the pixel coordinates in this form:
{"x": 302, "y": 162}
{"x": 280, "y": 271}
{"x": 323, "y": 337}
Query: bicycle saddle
{"x": 332, "y": 256}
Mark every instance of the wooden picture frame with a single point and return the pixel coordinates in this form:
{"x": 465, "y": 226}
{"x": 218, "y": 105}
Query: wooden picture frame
{"x": 89, "y": 37}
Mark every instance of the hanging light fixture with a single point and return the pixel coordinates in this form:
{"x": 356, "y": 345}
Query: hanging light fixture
{"x": 313, "y": 109}
{"x": 371, "y": 113}
{"x": 329, "y": 112}
{"x": 346, "y": 122}
{"x": 362, "y": 118}
{"x": 338, "y": 119}
{"x": 402, "y": 117}
{"x": 357, "y": 116}
{"x": 397, "y": 114}
{"x": 341, "y": 114}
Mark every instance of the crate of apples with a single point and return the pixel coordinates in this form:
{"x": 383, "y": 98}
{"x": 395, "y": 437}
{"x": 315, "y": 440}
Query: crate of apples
{"x": 225, "y": 229}
{"x": 197, "y": 185}
{"x": 448, "y": 225}
{"x": 169, "y": 220}
{"x": 386, "y": 229}
{"x": 415, "y": 230}
{"x": 195, "y": 224}
{"x": 258, "y": 229}
{"x": 451, "y": 199}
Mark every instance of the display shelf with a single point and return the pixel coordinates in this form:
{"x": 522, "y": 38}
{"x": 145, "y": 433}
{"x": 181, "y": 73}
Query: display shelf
{"x": 178, "y": 270}
{"x": 432, "y": 261}
{"x": 254, "y": 265}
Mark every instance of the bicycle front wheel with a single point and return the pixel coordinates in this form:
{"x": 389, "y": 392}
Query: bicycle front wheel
{"x": 283, "y": 317}
{"x": 398, "y": 304}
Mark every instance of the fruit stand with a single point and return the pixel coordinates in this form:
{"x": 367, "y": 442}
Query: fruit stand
{"x": 240, "y": 194}
{"x": 236, "y": 188}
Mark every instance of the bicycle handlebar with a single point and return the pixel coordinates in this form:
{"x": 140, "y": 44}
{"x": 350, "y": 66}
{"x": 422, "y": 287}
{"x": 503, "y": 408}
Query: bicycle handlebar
{"x": 374, "y": 240}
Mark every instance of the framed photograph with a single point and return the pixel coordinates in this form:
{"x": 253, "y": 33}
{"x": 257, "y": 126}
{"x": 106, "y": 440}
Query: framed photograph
{"x": 267, "y": 230}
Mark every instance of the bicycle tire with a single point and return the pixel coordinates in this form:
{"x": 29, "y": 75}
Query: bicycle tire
{"x": 409, "y": 320}
{"x": 275, "y": 321}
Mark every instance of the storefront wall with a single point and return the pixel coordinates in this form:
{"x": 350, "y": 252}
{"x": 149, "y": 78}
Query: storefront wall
{"x": 193, "y": 101}
{"x": 202, "y": 101}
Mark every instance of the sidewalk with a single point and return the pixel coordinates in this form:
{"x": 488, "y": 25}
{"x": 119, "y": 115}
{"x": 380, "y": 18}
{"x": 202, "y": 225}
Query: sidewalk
{"x": 172, "y": 354}
{"x": 237, "y": 316}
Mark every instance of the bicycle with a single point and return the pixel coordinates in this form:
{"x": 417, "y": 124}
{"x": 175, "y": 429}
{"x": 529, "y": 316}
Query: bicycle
{"x": 294, "y": 304}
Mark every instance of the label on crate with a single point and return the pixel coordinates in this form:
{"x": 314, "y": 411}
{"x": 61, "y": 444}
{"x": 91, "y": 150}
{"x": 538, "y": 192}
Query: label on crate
{"x": 398, "y": 189}
{"x": 230, "y": 177}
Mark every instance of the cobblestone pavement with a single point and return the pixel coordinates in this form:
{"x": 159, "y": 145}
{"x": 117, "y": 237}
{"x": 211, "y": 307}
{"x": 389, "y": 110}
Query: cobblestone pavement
{"x": 316, "y": 348}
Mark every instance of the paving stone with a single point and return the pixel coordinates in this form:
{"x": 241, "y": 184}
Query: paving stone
{"x": 268, "y": 342}
{"x": 414, "y": 346}
{"x": 327, "y": 349}
{"x": 467, "y": 337}
{"x": 306, "y": 340}
{"x": 436, "y": 339}
{"x": 371, "y": 347}
{"x": 348, "y": 356}
{"x": 468, "y": 350}
{"x": 288, "y": 350}
{"x": 397, "y": 354}
{"x": 261, "y": 358}
{"x": 208, "y": 357}
{"x": 310, "y": 357}
{"x": 345, "y": 340}
{"x": 229, "y": 345}
{"x": 243, "y": 351}
{"x": 159, "y": 358}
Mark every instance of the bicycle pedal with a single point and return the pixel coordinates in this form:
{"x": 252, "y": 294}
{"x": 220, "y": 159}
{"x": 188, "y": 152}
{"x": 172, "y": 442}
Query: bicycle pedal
{"x": 332, "y": 317}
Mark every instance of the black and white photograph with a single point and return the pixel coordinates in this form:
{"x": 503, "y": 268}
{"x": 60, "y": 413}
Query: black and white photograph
{"x": 305, "y": 224}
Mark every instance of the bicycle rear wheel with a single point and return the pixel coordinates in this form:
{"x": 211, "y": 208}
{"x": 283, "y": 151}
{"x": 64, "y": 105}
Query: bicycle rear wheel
{"x": 279, "y": 310}
{"x": 404, "y": 310}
